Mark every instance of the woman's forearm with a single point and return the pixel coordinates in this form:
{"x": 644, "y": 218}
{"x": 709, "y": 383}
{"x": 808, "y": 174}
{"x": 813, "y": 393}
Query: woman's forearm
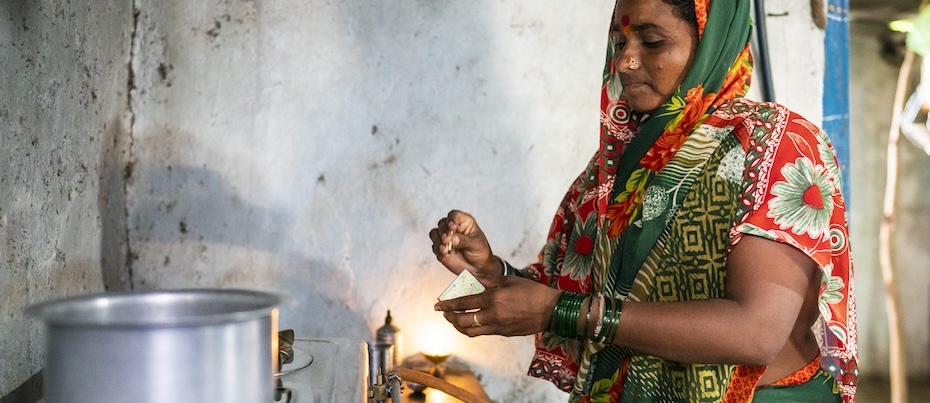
{"x": 710, "y": 331}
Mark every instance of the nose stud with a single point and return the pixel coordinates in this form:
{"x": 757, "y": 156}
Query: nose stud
{"x": 633, "y": 64}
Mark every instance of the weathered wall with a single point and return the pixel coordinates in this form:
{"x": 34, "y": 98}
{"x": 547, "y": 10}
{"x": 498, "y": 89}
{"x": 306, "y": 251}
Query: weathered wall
{"x": 63, "y": 76}
{"x": 310, "y": 149}
{"x": 872, "y": 96}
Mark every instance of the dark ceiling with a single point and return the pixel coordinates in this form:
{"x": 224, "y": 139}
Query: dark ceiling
{"x": 873, "y": 17}
{"x": 882, "y": 10}
{"x": 903, "y": 4}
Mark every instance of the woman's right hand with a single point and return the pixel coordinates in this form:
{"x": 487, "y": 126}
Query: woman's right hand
{"x": 459, "y": 244}
{"x": 510, "y": 306}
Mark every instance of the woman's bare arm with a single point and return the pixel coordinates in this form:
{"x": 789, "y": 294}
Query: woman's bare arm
{"x": 767, "y": 283}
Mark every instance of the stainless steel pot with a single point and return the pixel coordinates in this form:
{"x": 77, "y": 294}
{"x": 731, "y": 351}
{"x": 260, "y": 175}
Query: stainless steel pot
{"x": 202, "y": 345}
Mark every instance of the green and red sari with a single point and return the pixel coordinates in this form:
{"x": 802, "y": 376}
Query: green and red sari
{"x": 666, "y": 197}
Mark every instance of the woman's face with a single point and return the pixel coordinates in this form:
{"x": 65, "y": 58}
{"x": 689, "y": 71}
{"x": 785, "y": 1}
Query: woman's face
{"x": 654, "y": 50}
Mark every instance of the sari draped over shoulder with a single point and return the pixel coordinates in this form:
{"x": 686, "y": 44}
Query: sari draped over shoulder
{"x": 666, "y": 197}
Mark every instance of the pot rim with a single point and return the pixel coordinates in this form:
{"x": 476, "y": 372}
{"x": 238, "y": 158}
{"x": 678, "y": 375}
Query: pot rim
{"x": 157, "y": 308}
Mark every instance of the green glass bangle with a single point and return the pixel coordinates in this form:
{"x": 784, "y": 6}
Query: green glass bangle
{"x": 509, "y": 270}
{"x": 565, "y": 315}
{"x": 614, "y": 320}
{"x": 610, "y": 321}
{"x": 602, "y": 331}
{"x": 587, "y": 318}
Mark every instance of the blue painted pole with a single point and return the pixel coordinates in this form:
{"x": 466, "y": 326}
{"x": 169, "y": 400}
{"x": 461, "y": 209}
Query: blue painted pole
{"x": 836, "y": 86}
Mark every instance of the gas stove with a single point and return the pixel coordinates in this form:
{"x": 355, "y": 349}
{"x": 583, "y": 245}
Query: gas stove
{"x": 324, "y": 370}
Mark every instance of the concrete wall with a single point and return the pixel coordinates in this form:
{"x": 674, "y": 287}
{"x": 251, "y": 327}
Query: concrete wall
{"x": 63, "y": 75}
{"x": 308, "y": 147}
{"x": 874, "y": 77}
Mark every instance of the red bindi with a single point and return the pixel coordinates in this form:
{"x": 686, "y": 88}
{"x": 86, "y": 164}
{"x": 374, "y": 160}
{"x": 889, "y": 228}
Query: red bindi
{"x": 625, "y": 24}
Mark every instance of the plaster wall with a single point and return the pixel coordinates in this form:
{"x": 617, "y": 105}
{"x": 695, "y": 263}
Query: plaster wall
{"x": 874, "y": 77}
{"x": 310, "y": 149}
{"x": 63, "y": 76}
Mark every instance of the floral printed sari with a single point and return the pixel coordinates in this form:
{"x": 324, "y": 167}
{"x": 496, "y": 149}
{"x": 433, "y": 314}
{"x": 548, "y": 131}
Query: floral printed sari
{"x": 664, "y": 200}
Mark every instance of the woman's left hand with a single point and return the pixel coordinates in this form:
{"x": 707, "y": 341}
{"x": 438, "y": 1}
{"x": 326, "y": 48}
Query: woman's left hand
{"x": 510, "y": 306}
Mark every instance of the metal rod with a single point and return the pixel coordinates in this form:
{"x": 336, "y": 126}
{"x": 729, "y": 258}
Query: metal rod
{"x": 765, "y": 69}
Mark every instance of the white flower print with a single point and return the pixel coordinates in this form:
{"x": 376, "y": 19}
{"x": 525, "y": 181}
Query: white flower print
{"x": 803, "y": 202}
{"x": 716, "y": 133}
{"x": 828, "y": 156}
{"x": 655, "y": 202}
{"x": 732, "y": 165}
{"x": 831, "y": 291}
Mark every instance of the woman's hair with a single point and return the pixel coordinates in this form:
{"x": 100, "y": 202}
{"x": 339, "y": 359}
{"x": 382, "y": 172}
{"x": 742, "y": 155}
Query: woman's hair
{"x": 684, "y": 9}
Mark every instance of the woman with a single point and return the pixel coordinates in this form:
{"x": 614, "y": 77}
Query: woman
{"x": 691, "y": 258}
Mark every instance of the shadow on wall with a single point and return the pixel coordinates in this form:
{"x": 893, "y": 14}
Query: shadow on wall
{"x": 373, "y": 102}
{"x": 436, "y": 81}
{"x": 29, "y": 391}
{"x": 187, "y": 203}
{"x": 197, "y": 214}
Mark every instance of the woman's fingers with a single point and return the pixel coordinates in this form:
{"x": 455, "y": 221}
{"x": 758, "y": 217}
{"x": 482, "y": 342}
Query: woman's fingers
{"x": 442, "y": 239}
{"x": 459, "y": 244}
{"x": 434, "y": 236}
{"x": 443, "y": 236}
{"x": 474, "y": 301}
{"x": 472, "y": 323}
{"x": 466, "y": 240}
{"x": 462, "y": 222}
{"x": 463, "y": 304}
{"x": 511, "y": 306}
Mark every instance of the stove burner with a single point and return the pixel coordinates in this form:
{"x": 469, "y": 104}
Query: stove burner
{"x": 287, "y": 354}
{"x": 338, "y": 374}
{"x": 285, "y": 347}
{"x": 301, "y": 359}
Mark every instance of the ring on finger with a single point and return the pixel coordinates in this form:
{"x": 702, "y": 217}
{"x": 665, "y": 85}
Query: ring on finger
{"x": 475, "y": 322}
